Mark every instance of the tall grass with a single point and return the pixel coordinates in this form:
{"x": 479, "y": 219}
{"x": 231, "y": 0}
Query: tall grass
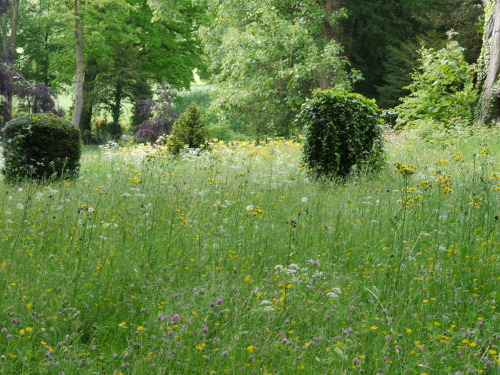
{"x": 236, "y": 262}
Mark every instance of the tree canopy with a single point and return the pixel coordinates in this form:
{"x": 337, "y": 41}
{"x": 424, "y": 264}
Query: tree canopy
{"x": 263, "y": 57}
{"x": 267, "y": 57}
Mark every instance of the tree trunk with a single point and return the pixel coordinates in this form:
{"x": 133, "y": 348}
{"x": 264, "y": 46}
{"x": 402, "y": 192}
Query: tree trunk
{"x": 117, "y": 104}
{"x": 7, "y": 59}
{"x": 329, "y": 32}
{"x": 490, "y": 72}
{"x": 77, "y": 111}
{"x": 88, "y": 101}
{"x": 13, "y": 25}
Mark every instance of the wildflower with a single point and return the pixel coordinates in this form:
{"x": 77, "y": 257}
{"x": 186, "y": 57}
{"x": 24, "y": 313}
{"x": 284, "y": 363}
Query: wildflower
{"x": 250, "y": 348}
{"x": 405, "y": 169}
{"x": 304, "y": 200}
{"x": 334, "y": 293}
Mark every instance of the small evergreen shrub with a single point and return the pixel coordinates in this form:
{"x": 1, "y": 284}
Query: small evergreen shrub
{"x": 342, "y": 130}
{"x": 189, "y": 130}
{"x": 40, "y": 147}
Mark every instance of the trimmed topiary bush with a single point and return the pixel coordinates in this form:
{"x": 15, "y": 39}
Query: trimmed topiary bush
{"x": 40, "y": 147}
{"x": 189, "y": 130}
{"x": 342, "y": 130}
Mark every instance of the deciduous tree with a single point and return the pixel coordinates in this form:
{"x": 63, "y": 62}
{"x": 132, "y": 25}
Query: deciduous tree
{"x": 489, "y": 65}
{"x": 79, "y": 75}
{"x": 9, "y": 11}
{"x": 267, "y": 57}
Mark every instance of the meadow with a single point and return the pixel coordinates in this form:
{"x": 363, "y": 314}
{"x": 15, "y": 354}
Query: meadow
{"x": 237, "y": 262}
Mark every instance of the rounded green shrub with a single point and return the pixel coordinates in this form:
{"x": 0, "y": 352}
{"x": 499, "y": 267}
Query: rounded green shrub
{"x": 40, "y": 147}
{"x": 342, "y": 130}
{"x": 189, "y": 130}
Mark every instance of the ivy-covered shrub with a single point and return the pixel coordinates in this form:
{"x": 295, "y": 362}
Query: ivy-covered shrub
{"x": 189, "y": 130}
{"x": 40, "y": 147}
{"x": 342, "y": 130}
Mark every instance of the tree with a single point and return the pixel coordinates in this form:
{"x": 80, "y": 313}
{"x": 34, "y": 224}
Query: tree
{"x": 9, "y": 11}
{"x": 382, "y": 39}
{"x": 442, "y": 88}
{"x": 489, "y": 65}
{"x": 268, "y": 56}
{"x": 79, "y": 75}
{"x": 44, "y": 27}
{"x": 34, "y": 97}
{"x": 125, "y": 49}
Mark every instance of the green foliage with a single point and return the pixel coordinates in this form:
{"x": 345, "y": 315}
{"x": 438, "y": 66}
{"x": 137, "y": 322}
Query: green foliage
{"x": 342, "y": 129}
{"x": 228, "y": 130}
{"x": 381, "y": 39}
{"x": 189, "y": 130}
{"x": 223, "y": 131}
{"x": 40, "y": 147}
{"x": 107, "y": 131}
{"x": 42, "y": 40}
{"x": 198, "y": 94}
{"x": 442, "y": 88}
{"x": 267, "y": 57}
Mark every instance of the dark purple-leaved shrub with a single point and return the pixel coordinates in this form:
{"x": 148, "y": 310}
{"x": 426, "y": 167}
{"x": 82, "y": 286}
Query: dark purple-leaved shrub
{"x": 37, "y": 98}
{"x": 34, "y": 97}
{"x": 158, "y": 114}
